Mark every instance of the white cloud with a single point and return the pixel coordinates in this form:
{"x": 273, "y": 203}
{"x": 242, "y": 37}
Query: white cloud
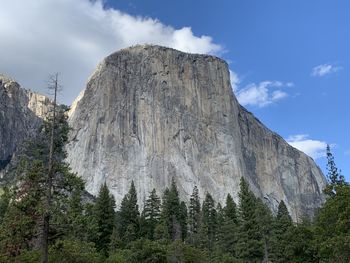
{"x": 314, "y": 148}
{"x": 260, "y": 95}
{"x": 234, "y": 80}
{"x": 324, "y": 69}
{"x": 40, "y": 37}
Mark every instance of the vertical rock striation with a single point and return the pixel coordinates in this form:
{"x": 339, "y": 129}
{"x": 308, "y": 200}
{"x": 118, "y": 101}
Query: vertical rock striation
{"x": 151, "y": 113}
{"x": 21, "y": 113}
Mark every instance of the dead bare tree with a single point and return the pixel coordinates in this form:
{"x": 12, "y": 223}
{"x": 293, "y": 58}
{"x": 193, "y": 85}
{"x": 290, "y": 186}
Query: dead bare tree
{"x": 54, "y": 86}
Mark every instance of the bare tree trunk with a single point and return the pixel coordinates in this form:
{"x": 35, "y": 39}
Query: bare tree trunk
{"x": 47, "y": 208}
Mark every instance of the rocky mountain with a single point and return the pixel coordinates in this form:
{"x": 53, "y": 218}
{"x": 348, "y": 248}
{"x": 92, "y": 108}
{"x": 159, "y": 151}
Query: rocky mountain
{"x": 21, "y": 113}
{"x": 151, "y": 113}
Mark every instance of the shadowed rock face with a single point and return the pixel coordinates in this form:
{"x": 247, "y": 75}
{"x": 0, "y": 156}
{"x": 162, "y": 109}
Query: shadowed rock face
{"x": 150, "y": 113}
{"x": 21, "y": 113}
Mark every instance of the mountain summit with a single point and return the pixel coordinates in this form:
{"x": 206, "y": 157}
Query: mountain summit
{"x": 150, "y": 114}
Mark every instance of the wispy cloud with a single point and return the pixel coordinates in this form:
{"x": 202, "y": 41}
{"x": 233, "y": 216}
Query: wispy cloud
{"x": 324, "y": 69}
{"x": 39, "y": 37}
{"x": 234, "y": 80}
{"x": 314, "y": 148}
{"x": 263, "y": 93}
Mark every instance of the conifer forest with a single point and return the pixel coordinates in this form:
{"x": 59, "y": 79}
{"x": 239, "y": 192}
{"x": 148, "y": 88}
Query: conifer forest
{"x": 84, "y": 228}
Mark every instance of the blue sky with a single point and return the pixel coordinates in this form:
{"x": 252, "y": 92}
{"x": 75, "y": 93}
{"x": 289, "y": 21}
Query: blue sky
{"x": 290, "y": 59}
{"x": 274, "y": 40}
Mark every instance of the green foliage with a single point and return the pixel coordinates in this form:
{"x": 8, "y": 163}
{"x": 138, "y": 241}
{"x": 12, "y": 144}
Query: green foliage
{"x": 333, "y": 227}
{"x": 230, "y": 210}
{"x": 20, "y": 223}
{"x": 194, "y": 217}
{"x": 119, "y": 256}
{"x": 171, "y": 212}
{"x": 179, "y": 252}
{"x": 265, "y": 221}
{"x": 281, "y": 235}
{"x": 161, "y": 232}
{"x": 146, "y": 251}
{"x": 220, "y": 256}
{"x": 228, "y": 227}
{"x": 73, "y": 251}
{"x": 29, "y": 256}
{"x": 151, "y": 214}
{"x": 334, "y": 175}
{"x": 5, "y": 197}
{"x": 92, "y": 232}
{"x": 209, "y": 223}
{"x": 300, "y": 247}
{"x": 129, "y": 216}
{"x": 20, "y": 229}
{"x": 250, "y": 247}
{"x": 116, "y": 242}
{"x": 105, "y": 218}
{"x": 183, "y": 220}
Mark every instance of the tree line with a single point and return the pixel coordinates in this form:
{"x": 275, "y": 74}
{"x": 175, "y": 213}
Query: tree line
{"x": 167, "y": 229}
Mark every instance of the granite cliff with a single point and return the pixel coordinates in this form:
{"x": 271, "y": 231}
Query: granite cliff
{"x": 21, "y": 114}
{"x": 151, "y": 113}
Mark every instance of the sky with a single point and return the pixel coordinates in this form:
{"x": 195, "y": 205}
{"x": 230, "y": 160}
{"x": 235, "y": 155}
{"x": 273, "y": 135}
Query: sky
{"x": 289, "y": 60}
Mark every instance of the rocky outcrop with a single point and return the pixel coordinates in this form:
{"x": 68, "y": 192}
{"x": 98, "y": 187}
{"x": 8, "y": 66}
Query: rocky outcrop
{"x": 21, "y": 113}
{"x": 150, "y": 114}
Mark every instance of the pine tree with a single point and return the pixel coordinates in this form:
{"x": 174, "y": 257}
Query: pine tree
{"x": 21, "y": 222}
{"x": 90, "y": 223}
{"x": 220, "y": 220}
{"x": 333, "y": 227}
{"x": 47, "y": 205}
{"x": 209, "y": 223}
{"x": 105, "y": 217}
{"x": 301, "y": 244}
{"x": 281, "y": 235}
{"x": 230, "y": 210}
{"x": 116, "y": 242}
{"x": 129, "y": 216}
{"x": 29, "y": 196}
{"x": 194, "y": 216}
{"x": 74, "y": 216}
{"x": 183, "y": 220}
{"x": 227, "y": 234}
{"x": 4, "y": 202}
{"x": 334, "y": 176}
{"x": 161, "y": 232}
{"x": 151, "y": 214}
{"x": 171, "y": 212}
{"x": 249, "y": 245}
{"x": 265, "y": 220}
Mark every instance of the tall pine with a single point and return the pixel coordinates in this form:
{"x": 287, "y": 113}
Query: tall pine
{"x": 227, "y": 236}
{"x": 334, "y": 176}
{"x": 105, "y": 217}
{"x": 209, "y": 223}
{"x": 129, "y": 216}
{"x": 183, "y": 217}
{"x": 194, "y": 216}
{"x": 265, "y": 221}
{"x": 280, "y": 237}
{"x": 171, "y": 212}
{"x": 151, "y": 214}
{"x": 249, "y": 244}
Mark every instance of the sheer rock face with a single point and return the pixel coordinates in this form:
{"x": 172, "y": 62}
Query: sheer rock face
{"x": 150, "y": 114}
{"x": 21, "y": 113}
